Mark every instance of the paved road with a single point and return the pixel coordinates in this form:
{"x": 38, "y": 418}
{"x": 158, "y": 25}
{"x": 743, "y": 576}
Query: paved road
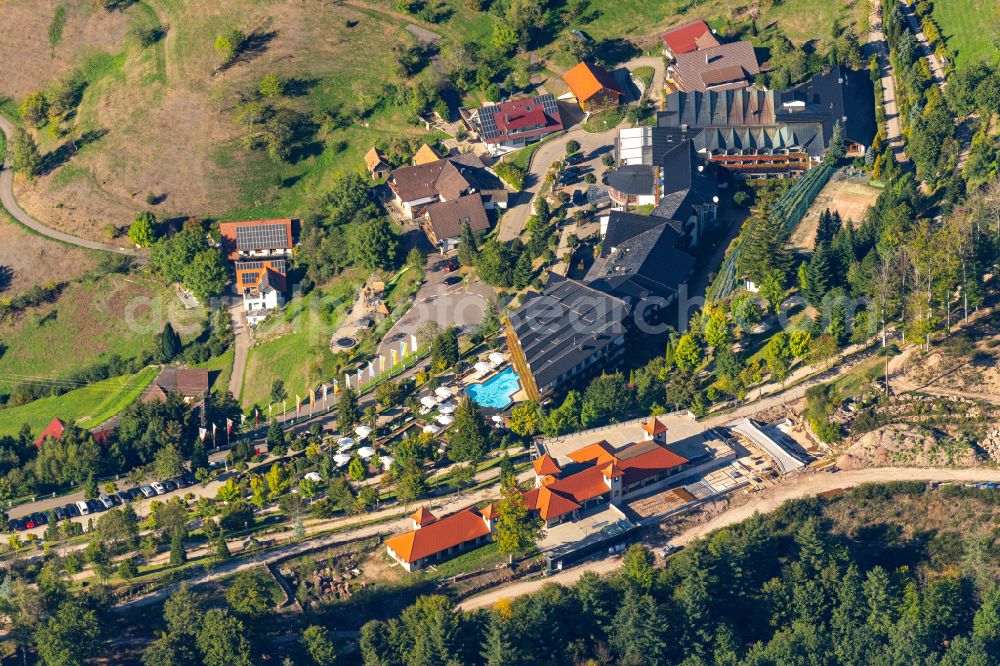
{"x": 937, "y": 70}
{"x": 7, "y": 198}
{"x": 462, "y": 304}
{"x": 592, "y": 145}
{"x": 878, "y": 45}
{"x": 242, "y": 347}
{"x": 765, "y": 502}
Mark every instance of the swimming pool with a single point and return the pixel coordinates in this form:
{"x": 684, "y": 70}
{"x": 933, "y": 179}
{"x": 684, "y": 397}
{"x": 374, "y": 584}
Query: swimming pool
{"x": 497, "y": 391}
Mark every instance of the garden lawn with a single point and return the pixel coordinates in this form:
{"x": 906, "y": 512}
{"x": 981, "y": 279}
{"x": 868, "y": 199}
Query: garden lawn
{"x": 296, "y": 345}
{"x": 603, "y": 121}
{"x": 220, "y": 369}
{"x": 969, "y": 27}
{"x": 88, "y": 406}
{"x": 91, "y": 321}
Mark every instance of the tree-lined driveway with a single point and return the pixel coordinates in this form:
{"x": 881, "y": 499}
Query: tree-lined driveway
{"x": 7, "y": 198}
{"x": 879, "y": 47}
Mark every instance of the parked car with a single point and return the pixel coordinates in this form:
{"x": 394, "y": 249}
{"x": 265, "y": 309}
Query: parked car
{"x": 181, "y": 482}
{"x": 668, "y": 550}
{"x": 60, "y": 513}
{"x": 158, "y": 487}
{"x": 189, "y": 477}
{"x": 451, "y": 266}
{"x": 83, "y": 507}
{"x": 95, "y": 506}
{"x": 124, "y": 497}
{"x": 15, "y": 525}
{"x": 452, "y": 280}
{"x": 105, "y": 501}
{"x": 40, "y": 519}
{"x": 574, "y": 158}
{"x": 72, "y": 510}
{"x": 147, "y": 492}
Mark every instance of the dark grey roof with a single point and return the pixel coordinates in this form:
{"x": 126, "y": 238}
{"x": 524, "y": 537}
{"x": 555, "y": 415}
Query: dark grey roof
{"x": 637, "y": 179}
{"x": 645, "y": 265}
{"x": 688, "y": 181}
{"x": 564, "y": 326}
{"x": 839, "y": 94}
{"x": 622, "y": 226}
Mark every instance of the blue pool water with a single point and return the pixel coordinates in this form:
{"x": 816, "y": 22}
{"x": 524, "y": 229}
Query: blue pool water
{"x": 497, "y": 391}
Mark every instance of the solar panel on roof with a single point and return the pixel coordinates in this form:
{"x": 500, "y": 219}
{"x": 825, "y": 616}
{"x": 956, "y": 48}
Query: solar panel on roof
{"x": 263, "y": 237}
{"x": 548, "y": 104}
{"x": 488, "y": 124}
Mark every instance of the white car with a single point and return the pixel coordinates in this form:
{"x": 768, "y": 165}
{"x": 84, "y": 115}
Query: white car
{"x": 158, "y": 487}
{"x": 105, "y": 501}
{"x": 82, "y": 506}
{"x": 147, "y": 492}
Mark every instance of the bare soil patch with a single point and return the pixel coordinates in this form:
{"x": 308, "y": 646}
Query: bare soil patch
{"x": 850, "y": 196}
{"x": 23, "y": 41}
{"x": 30, "y": 259}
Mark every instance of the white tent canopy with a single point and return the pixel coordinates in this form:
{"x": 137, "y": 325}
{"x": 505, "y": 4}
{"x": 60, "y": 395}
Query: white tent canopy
{"x": 432, "y": 429}
{"x": 482, "y": 366}
{"x": 345, "y": 442}
{"x": 447, "y": 408}
{"x": 496, "y": 358}
{"x": 427, "y": 401}
{"x": 445, "y": 419}
{"x": 366, "y": 452}
{"x": 362, "y": 431}
{"x": 341, "y": 459}
{"x": 387, "y": 462}
{"x": 443, "y": 391}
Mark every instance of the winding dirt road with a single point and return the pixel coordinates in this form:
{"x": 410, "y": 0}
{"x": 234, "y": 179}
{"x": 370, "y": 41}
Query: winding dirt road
{"x": 8, "y": 201}
{"x": 765, "y": 502}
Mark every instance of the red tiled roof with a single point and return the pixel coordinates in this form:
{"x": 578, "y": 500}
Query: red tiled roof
{"x": 489, "y": 512}
{"x": 646, "y": 459}
{"x": 582, "y": 486}
{"x": 689, "y": 37}
{"x": 546, "y": 465}
{"x": 612, "y": 471}
{"x": 518, "y": 114}
{"x": 439, "y": 535}
{"x": 586, "y": 80}
{"x": 54, "y": 430}
{"x": 549, "y": 504}
{"x": 654, "y": 427}
{"x": 423, "y": 516}
{"x": 600, "y": 453}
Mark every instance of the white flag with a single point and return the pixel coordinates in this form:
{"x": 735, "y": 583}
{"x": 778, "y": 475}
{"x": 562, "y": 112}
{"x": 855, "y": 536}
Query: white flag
{"x": 413, "y": 343}
{"x": 371, "y": 370}
{"x": 202, "y": 432}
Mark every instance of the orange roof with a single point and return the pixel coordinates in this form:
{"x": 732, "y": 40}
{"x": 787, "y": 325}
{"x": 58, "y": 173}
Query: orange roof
{"x": 453, "y": 530}
{"x": 586, "y": 80}
{"x": 248, "y": 273}
{"x": 582, "y": 486}
{"x": 546, "y": 465}
{"x": 489, "y": 512}
{"x": 646, "y": 459}
{"x": 654, "y": 427}
{"x": 373, "y": 158}
{"x": 549, "y": 504}
{"x": 54, "y": 430}
{"x": 613, "y": 471}
{"x": 600, "y": 453}
{"x": 424, "y": 155}
{"x": 423, "y": 516}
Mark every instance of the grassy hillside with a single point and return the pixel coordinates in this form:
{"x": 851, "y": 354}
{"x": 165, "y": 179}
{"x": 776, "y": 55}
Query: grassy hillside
{"x": 969, "y": 27}
{"x": 171, "y": 99}
{"x": 88, "y": 406}
{"x": 90, "y": 321}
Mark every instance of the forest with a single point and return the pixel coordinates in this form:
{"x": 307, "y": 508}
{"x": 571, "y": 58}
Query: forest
{"x": 789, "y": 588}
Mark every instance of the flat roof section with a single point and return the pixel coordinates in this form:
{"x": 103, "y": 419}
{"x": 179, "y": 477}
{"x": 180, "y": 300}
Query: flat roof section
{"x": 769, "y": 440}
